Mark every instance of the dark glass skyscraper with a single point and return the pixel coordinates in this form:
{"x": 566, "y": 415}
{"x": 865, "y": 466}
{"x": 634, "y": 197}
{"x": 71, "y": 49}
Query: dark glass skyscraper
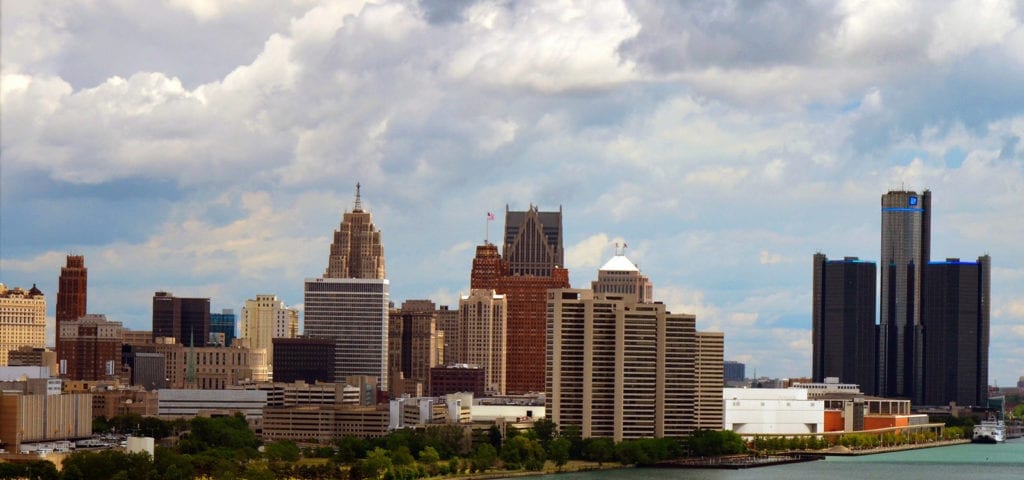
{"x": 843, "y": 321}
{"x": 906, "y": 241}
{"x": 955, "y": 324}
{"x": 185, "y": 319}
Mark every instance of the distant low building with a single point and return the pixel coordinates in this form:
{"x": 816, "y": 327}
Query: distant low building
{"x": 30, "y": 418}
{"x": 772, "y": 411}
{"x": 307, "y": 359}
{"x": 831, "y": 408}
{"x": 187, "y": 403}
{"x": 457, "y": 378}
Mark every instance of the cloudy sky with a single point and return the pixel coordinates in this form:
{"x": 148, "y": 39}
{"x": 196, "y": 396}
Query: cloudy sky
{"x": 209, "y": 148}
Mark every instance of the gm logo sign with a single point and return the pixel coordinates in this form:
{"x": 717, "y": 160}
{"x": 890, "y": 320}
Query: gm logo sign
{"x": 912, "y": 201}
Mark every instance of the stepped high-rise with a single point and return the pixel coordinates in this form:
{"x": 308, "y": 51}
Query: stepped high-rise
{"x": 349, "y": 304}
{"x": 623, "y": 368}
{"x": 72, "y": 287}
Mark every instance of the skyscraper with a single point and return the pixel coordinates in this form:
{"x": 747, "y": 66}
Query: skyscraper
{"x": 531, "y": 264}
{"x": 625, "y": 369}
{"x": 955, "y": 322}
{"x": 22, "y": 319}
{"x": 843, "y": 335}
{"x": 413, "y": 349}
{"x": 350, "y": 302}
{"x": 906, "y": 243}
{"x": 483, "y": 315}
{"x": 533, "y": 242}
{"x": 264, "y": 319}
{"x": 526, "y": 297}
{"x": 71, "y": 292}
{"x": 357, "y": 250}
{"x": 187, "y": 320}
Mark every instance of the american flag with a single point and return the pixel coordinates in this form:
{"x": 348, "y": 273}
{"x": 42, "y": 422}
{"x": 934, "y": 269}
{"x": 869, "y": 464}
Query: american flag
{"x": 490, "y": 216}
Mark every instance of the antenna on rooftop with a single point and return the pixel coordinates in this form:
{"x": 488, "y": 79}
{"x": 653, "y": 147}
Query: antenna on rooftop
{"x": 358, "y": 206}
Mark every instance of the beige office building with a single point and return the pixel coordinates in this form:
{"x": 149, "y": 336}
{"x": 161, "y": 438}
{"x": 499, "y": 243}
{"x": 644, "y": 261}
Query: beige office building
{"x": 210, "y": 368}
{"x": 264, "y": 319}
{"x": 22, "y": 319}
{"x": 413, "y": 347}
{"x": 483, "y": 320}
{"x": 625, "y": 369}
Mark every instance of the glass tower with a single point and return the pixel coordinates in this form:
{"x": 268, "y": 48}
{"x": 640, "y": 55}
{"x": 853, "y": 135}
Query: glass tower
{"x": 906, "y": 240}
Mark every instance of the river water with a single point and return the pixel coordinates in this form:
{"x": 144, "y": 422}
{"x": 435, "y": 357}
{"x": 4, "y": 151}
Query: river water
{"x": 966, "y": 461}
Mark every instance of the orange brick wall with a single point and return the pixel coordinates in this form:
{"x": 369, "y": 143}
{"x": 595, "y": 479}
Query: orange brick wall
{"x": 885, "y": 421}
{"x": 834, "y": 421}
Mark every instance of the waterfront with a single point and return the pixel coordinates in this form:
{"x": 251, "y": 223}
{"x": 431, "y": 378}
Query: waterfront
{"x": 991, "y": 462}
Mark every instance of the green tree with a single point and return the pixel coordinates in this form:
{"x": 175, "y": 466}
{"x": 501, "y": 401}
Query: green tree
{"x": 172, "y": 465}
{"x": 558, "y": 450}
{"x": 484, "y": 458}
{"x": 429, "y": 458}
{"x": 402, "y": 456}
{"x": 574, "y": 434}
{"x": 376, "y": 463}
{"x": 109, "y": 464}
{"x": 707, "y": 443}
{"x": 545, "y": 430}
{"x": 32, "y": 470}
{"x": 600, "y": 450}
{"x": 282, "y": 451}
{"x": 494, "y": 437}
{"x": 350, "y": 449}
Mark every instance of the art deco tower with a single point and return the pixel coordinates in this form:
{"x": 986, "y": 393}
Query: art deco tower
{"x": 532, "y": 264}
{"x": 357, "y": 251}
{"x": 906, "y": 241}
{"x": 349, "y": 304}
{"x": 533, "y": 242}
{"x": 71, "y": 292}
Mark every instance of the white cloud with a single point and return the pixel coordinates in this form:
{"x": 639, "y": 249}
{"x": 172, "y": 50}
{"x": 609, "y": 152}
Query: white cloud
{"x": 590, "y": 253}
{"x": 969, "y": 24}
{"x": 767, "y": 258}
{"x": 548, "y": 46}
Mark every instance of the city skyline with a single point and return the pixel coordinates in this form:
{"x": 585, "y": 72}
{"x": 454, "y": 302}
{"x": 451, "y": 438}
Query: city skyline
{"x": 724, "y": 144}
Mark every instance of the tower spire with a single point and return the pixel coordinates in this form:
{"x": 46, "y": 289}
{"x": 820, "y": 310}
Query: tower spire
{"x": 358, "y": 207}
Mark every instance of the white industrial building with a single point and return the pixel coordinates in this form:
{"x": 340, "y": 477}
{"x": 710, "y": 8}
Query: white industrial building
{"x": 782, "y": 411}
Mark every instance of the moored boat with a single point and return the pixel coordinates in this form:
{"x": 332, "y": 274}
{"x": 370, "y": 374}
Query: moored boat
{"x": 989, "y": 431}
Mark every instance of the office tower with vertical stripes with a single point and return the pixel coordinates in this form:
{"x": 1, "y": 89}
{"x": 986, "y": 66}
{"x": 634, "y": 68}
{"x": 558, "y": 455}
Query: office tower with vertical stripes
{"x": 349, "y": 304}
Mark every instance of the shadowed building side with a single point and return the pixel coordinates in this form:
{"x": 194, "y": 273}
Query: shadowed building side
{"x": 843, "y": 337}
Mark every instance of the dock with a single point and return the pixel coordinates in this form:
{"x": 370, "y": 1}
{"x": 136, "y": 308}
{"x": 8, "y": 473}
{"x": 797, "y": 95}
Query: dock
{"x": 737, "y": 462}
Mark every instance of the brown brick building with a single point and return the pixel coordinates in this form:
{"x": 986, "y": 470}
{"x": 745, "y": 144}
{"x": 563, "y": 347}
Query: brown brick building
{"x": 90, "y": 348}
{"x": 71, "y": 292}
{"x": 527, "y": 311}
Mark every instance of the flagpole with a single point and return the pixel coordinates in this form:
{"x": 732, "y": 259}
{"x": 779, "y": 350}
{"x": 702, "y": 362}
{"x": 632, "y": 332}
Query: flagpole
{"x": 487, "y": 229}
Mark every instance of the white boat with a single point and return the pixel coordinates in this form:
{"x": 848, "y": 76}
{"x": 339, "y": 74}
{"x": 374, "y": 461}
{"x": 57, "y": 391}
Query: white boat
{"x": 989, "y": 431}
